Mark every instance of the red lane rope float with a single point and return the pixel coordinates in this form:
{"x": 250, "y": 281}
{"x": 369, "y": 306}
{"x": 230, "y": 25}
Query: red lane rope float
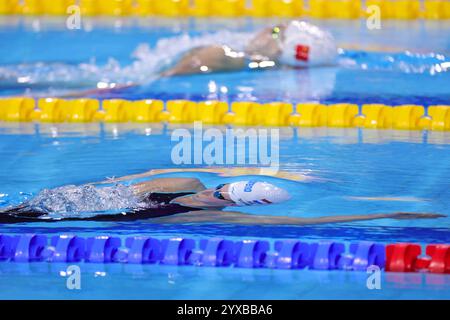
{"x": 405, "y": 257}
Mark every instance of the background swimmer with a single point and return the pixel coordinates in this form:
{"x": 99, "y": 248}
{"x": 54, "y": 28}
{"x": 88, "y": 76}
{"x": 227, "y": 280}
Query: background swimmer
{"x": 143, "y": 67}
{"x": 170, "y": 200}
{"x": 295, "y": 44}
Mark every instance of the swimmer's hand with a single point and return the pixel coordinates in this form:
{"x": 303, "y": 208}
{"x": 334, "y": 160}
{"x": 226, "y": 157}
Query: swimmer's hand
{"x": 416, "y": 215}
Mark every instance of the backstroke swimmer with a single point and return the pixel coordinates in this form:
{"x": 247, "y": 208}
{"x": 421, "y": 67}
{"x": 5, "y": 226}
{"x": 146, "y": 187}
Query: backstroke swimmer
{"x": 171, "y": 200}
{"x": 294, "y": 44}
{"x": 297, "y": 44}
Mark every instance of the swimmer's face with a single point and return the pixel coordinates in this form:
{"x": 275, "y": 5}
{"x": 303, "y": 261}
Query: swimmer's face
{"x": 267, "y": 42}
{"x": 214, "y": 197}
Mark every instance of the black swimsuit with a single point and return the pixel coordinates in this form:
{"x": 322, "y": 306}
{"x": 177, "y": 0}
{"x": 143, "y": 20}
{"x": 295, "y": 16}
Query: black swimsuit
{"x": 162, "y": 208}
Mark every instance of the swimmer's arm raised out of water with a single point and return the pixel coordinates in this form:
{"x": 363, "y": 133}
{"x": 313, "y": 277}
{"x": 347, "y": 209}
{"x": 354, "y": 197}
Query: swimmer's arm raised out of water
{"x": 251, "y": 219}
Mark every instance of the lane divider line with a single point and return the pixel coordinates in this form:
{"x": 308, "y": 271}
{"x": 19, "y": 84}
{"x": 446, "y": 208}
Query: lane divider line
{"x": 323, "y": 9}
{"x": 239, "y": 113}
{"x": 220, "y": 252}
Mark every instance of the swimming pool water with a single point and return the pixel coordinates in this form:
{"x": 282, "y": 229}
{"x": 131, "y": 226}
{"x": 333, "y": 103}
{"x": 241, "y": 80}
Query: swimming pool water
{"x": 392, "y": 65}
{"x": 351, "y": 164}
{"x": 155, "y": 282}
{"x": 359, "y": 163}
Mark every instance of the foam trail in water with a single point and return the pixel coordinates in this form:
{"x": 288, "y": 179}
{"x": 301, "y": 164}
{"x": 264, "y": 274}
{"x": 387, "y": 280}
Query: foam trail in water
{"x": 71, "y": 200}
{"x": 148, "y": 62}
{"x": 406, "y": 62}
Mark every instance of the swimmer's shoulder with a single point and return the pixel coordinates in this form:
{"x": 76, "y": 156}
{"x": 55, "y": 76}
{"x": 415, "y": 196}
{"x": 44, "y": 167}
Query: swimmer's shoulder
{"x": 169, "y": 185}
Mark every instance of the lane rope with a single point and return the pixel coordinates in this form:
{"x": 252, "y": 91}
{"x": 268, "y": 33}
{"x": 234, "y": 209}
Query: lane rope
{"x": 340, "y": 9}
{"x": 221, "y": 252}
{"x": 239, "y": 113}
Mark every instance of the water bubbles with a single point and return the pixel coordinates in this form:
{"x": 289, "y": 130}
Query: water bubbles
{"x": 405, "y": 62}
{"x": 84, "y": 200}
{"x": 24, "y": 79}
{"x": 148, "y": 63}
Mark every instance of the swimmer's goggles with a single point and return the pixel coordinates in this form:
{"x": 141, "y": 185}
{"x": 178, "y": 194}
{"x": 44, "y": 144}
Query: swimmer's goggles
{"x": 217, "y": 194}
{"x": 276, "y": 32}
{"x": 276, "y": 35}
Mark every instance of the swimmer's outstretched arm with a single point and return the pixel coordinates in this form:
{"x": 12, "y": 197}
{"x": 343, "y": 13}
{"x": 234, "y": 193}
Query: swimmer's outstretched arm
{"x": 250, "y": 219}
{"x": 224, "y": 172}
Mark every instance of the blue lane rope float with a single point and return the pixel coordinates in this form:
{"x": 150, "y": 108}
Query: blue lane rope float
{"x": 219, "y": 252}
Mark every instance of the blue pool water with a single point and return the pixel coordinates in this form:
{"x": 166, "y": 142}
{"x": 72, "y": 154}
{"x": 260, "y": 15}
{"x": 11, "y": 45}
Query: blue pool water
{"x": 350, "y": 164}
{"x": 392, "y": 65}
{"x": 359, "y": 163}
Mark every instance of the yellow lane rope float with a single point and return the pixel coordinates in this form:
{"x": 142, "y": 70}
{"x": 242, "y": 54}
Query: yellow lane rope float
{"x": 340, "y": 9}
{"x": 241, "y": 113}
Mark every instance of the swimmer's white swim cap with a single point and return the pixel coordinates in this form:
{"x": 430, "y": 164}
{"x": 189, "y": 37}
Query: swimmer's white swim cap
{"x": 247, "y": 193}
{"x": 306, "y": 45}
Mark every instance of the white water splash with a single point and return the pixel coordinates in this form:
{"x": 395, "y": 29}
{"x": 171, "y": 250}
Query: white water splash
{"x": 405, "y": 62}
{"x": 74, "y": 200}
{"x": 147, "y": 63}
{"x": 150, "y": 61}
